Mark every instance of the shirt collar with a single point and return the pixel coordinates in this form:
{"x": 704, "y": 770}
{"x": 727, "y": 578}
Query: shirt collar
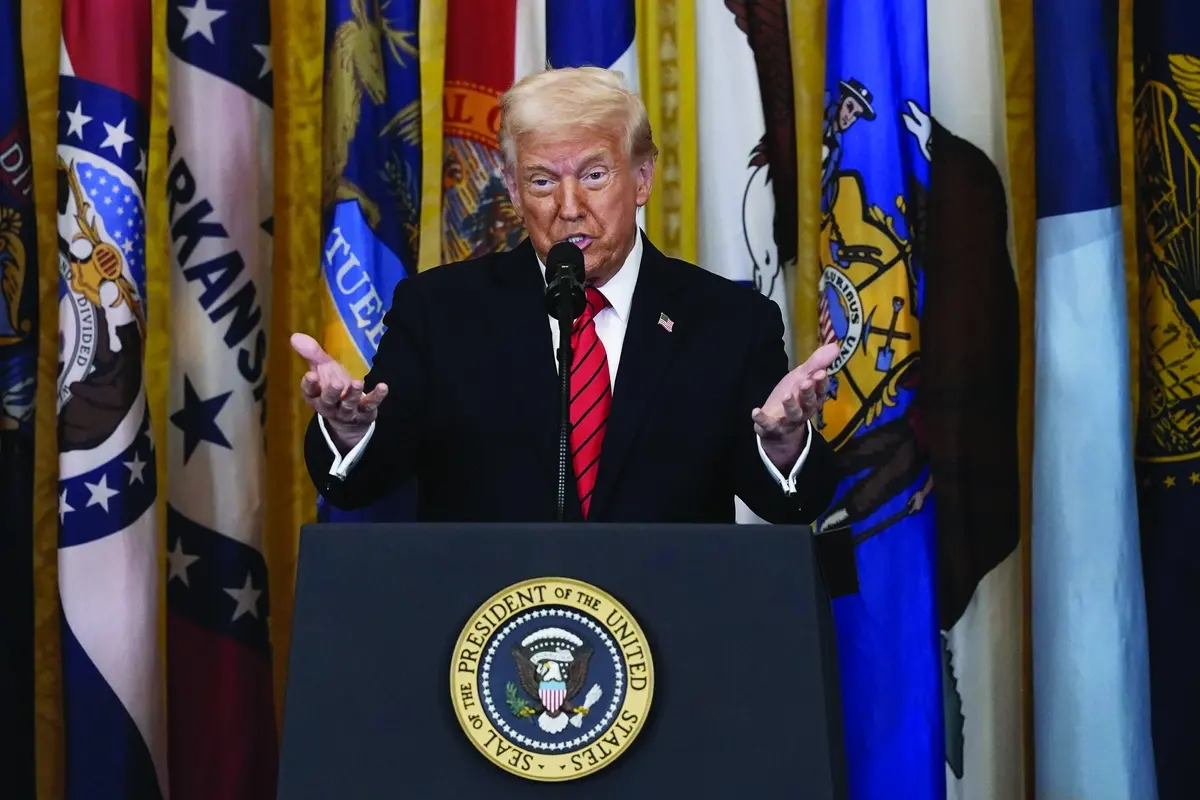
{"x": 619, "y": 289}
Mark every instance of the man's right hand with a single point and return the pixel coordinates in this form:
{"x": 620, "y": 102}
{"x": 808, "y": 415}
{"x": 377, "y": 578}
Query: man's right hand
{"x": 331, "y": 392}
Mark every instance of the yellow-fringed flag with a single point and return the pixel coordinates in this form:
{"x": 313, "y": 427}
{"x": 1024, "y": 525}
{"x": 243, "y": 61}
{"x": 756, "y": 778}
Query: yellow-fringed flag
{"x": 371, "y": 194}
{"x": 220, "y": 204}
{"x": 970, "y": 360}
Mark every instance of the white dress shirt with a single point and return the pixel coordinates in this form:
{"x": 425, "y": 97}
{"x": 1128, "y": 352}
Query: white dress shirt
{"x": 610, "y": 327}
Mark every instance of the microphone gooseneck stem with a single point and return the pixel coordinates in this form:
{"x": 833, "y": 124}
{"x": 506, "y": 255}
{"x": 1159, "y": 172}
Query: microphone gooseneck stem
{"x": 565, "y": 320}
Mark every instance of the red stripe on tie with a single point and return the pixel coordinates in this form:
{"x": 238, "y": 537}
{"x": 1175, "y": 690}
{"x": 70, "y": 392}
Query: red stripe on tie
{"x": 591, "y": 397}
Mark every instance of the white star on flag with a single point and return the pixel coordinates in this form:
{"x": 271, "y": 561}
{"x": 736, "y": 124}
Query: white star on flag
{"x": 247, "y": 599}
{"x": 200, "y": 19}
{"x": 63, "y": 506}
{"x": 76, "y": 120}
{"x": 117, "y": 138}
{"x": 178, "y": 563}
{"x": 137, "y": 465}
{"x": 101, "y": 494}
{"x": 264, "y": 50}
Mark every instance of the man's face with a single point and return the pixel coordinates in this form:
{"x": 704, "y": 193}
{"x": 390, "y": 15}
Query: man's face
{"x": 582, "y": 185}
{"x": 849, "y": 113}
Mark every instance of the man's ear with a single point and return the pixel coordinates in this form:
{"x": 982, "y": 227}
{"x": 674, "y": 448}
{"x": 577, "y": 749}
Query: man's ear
{"x": 644, "y": 176}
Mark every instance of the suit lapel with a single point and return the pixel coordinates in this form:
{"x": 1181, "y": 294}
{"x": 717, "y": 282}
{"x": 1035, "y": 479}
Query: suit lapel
{"x": 645, "y": 355}
{"x": 528, "y": 372}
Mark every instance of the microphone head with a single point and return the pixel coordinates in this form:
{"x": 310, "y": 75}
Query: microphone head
{"x": 564, "y": 254}
{"x": 564, "y": 280}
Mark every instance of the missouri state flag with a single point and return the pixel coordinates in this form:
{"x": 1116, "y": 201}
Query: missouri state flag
{"x": 220, "y": 697}
{"x": 109, "y": 571}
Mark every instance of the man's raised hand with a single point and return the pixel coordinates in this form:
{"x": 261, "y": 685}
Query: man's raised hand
{"x": 330, "y": 391}
{"x": 781, "y": 423}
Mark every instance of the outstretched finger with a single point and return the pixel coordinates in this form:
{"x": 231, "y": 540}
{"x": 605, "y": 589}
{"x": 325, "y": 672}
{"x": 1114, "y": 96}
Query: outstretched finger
{"x": 372, "y": 399}
{"x": 764, "y": 424}
{"x": 793, "y": 408}
{"x": 351, "y": 398}
{"x": 331, "y": 395}
{"x": 309, "y": 385}
{"x": 309, "y": 350}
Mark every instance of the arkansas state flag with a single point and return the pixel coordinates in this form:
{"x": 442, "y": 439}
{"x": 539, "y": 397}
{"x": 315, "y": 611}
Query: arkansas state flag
{"x": 219, "y": 203}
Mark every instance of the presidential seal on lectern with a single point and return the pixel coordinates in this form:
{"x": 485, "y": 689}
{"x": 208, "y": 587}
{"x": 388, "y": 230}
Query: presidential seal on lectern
{"x": 551, "y": 679}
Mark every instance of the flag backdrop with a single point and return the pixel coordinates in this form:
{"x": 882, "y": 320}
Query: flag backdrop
{"x": 108, "y": 559}
{"x": 875, "y": 175}
{"x": 371, "y": 188}
{"x": 745, "y": 104}
{"x": 1091, "y": 713}
{"x": 482, "y": 61}
{"x": 18, "y": 385}
{"x": 220, "y": 701}
{"x": 1167, "y": 123}
{"x": 69, "y": 671}
{"x": 969, "y": 400}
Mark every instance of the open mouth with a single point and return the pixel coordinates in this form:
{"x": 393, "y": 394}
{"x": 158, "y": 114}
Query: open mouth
{"x": 579, "y": 240}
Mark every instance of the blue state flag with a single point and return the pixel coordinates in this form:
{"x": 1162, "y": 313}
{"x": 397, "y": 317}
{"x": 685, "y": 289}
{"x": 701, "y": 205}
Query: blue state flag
{"x": 1166, "y": 118}
{"x": 18, "y": 384}
{"x": 875, "y": 160}
{"x": 1091, "y": 709}
{"x": 371, "y": 197}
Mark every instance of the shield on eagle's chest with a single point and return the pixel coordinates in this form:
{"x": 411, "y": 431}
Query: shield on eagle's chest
{"x": 552, "y": 694}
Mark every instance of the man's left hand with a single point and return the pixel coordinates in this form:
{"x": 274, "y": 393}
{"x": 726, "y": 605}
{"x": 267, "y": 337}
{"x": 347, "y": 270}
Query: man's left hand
{"x": 782, "y": 422}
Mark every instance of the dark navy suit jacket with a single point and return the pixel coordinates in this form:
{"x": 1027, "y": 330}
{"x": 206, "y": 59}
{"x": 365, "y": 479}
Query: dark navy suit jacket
{"x": 473, "y": 404}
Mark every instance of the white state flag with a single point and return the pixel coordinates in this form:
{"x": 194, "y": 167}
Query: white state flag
{"x": 735, "y": 206}
{"x": 220, "y": 198}
{"x": 967, "y": 96}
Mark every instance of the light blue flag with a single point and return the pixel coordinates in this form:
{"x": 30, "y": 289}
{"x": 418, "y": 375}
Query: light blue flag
{"x": 1091, "y": 713}
{"x": 875, "y": 159}
{"x": 371, "y": 203}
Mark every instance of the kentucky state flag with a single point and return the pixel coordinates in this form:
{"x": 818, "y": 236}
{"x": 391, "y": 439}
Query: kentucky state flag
{"x": 109, "y": 571}
{"x": 219, "y": 204}
{"x": 18, "y": 384}
{"x": 875, "y": 164}
{"x": 1167, "y": 128}
{"x": 371, "y": 196}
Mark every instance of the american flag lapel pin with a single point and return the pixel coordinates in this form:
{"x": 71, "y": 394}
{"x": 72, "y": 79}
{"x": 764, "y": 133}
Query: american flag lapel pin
{"x": 665, "y": 322}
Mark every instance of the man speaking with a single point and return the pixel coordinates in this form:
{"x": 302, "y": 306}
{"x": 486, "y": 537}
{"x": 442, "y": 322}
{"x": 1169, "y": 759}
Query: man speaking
{"x": 679, "y": 395}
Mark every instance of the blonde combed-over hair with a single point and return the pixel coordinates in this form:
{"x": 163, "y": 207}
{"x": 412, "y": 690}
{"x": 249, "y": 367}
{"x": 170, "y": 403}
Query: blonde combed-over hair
{"x": 556, "y": 101}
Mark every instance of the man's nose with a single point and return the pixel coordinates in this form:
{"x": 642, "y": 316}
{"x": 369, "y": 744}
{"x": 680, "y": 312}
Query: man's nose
{"x": 570, "y": 199}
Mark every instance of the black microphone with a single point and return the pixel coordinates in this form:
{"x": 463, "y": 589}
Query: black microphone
{"x": 565, "y": 300}
{"x": 564, "y": 281}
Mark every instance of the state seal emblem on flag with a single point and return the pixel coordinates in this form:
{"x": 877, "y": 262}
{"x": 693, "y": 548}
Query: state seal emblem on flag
{"x": 551, "y": 679}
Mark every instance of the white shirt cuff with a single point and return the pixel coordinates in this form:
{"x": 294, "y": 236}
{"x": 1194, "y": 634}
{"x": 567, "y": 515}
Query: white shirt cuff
{"x": 342, "y": 464}
{"x": 789, "y": 483}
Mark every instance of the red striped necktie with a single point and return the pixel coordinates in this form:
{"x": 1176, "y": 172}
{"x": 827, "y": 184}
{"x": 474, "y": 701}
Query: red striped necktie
{"x": 591, "y": 397}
